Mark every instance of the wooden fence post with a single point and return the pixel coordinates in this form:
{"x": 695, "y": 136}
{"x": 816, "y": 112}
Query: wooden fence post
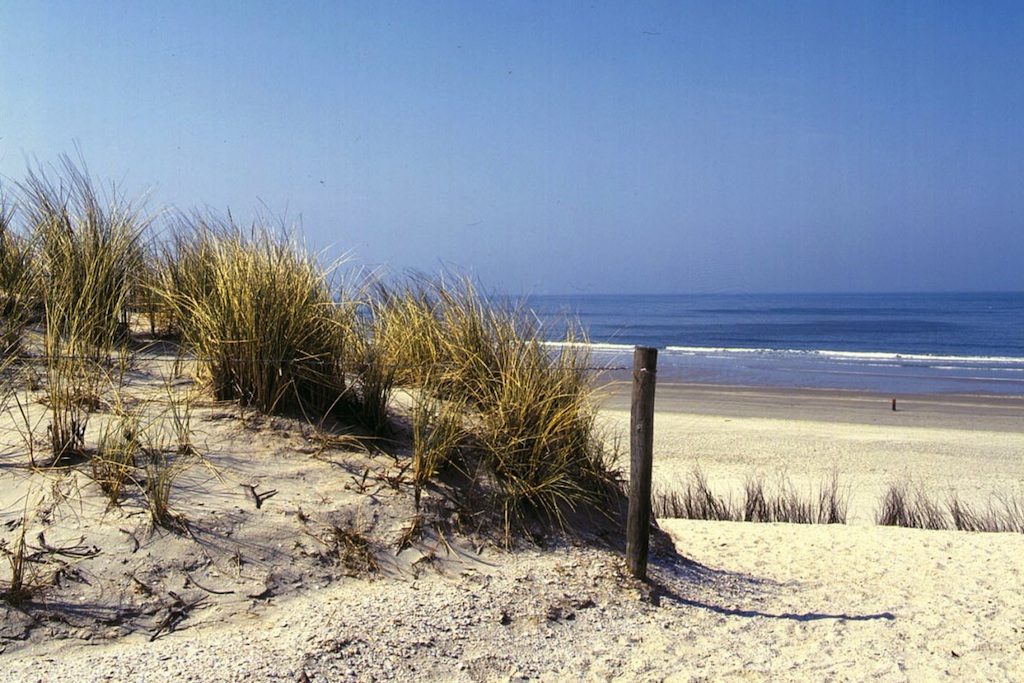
{"x": 641, "y": 457}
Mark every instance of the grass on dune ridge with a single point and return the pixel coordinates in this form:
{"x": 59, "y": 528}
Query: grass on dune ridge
{"x": 695, "y": 499}
{"x": 532, "y": 410}
{"x": 16, "y": 285}
{"x": 272, "y": 328}
{"x": 901, "y": 504}
{"x": 259, "y": 313}
{"x": 494, "y": 409}
{"x": 76, "y": 263}
{"x": 87, "y": 257}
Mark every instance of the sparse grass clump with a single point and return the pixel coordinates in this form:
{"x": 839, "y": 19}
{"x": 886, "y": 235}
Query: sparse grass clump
{"x": 161, "y": 473}
{"x": 19, "y": 296}
{"x": 785, "y": 504}
{"x": 375, "y": 380}
{"x": 910, "y": 507}
{"x": 913, "y": 507}
{"x": 70, "y": 382}
{"x": 529, "y": 408}
{"x": 346, "y": 545}
{"x": 22, "y": 584}
{"x": 87, "y": 257}
{"x": 259, "y": 314}
{"x": 696, "y": 500}
{"x": 90, "y": 257}
{"x": 1006, "y": 514}
{"x": 438, "y": 434}
{"x": 33, "y": 569}
{"x": 114, "y": 461}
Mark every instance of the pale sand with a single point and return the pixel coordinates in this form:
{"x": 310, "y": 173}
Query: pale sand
{"x": 970, "y": 445}
{"x": 734, "y": 601}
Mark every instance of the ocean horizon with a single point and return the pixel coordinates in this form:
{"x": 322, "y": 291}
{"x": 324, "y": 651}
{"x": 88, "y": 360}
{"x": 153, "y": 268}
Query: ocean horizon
{"x": 893, "y": 343}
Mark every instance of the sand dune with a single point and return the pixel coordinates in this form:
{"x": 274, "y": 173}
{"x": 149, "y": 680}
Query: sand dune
{"x": 726, "y": 601}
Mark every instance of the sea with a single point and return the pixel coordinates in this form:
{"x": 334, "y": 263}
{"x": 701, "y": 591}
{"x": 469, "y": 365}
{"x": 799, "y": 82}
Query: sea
{"x": 965, "y": 343}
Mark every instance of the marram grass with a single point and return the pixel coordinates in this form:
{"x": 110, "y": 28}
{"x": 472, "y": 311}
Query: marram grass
{"x": 759, "y": 503}
{"x": 913, "y": 506}
{"x": 19, "y": 295}
{"x": 528, "y": 407}
{"x": 86, "y": 256}
{"x": 270, "y": 329}
{"x": 89, "y": 257}
{"x": 258, "y": 312}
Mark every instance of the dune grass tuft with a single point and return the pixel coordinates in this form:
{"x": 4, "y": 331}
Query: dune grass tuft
{"x": 87, "y": 253}
{"x": 438, "y": 434}
{"x": 115, "y": 459}
{"x": 257, "y": 310}
{"x": 529, "y": 408}
{"x": 782, "y": 503}
{"x": 913, "y": 507}
{"x": 22, "y": 584}
{"x": 905, "y": 506}
{"x": 695, "y": 500}
{"x": 90, "y": 257}
{"x": 19, "y": 296}
{"x": 161, "y": 472}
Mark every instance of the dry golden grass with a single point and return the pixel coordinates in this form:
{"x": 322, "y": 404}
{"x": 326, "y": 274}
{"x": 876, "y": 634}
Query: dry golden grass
{"x": 530, "y": 409}
{"x": 257, "y": 310}
{"x": 270, "y": 328}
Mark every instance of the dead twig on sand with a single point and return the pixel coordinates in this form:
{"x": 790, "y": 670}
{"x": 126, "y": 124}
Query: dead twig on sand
{"x": 259, "y": 497}
{"x": 177, "y": 610}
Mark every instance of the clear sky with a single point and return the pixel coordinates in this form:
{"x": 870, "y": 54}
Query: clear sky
{"x": 557, "y": 147}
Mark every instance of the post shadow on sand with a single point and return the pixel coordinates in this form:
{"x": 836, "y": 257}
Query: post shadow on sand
{"x": 669, "y": 573}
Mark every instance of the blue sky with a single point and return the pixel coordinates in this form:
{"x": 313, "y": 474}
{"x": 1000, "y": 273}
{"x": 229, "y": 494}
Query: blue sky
{"x": 554, "y": 147}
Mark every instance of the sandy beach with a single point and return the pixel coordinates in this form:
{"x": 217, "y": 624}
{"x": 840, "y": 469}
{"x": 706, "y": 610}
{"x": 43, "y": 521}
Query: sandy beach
{"x": 320, "y": 324}
{"x": 970, "y": 445}
{"x": 726, "y": 601}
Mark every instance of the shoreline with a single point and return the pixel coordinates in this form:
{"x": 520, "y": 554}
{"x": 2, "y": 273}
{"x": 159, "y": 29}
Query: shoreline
{"x": 979, "y": 412}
